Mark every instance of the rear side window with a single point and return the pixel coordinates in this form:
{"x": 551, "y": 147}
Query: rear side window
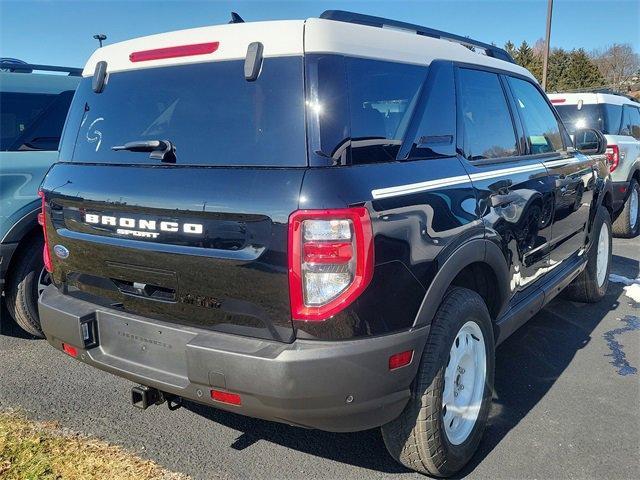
{"x": 602, "y": 116}
{"x": 359, "y": 109}
{"x": 382, "y": 96}
{"x": 541, "y": 125}
{"x": 487, "y": 124}
{"x": 630, "y": 121}
{"x": 209, "y": 112}
{"x": 31, "y": 121}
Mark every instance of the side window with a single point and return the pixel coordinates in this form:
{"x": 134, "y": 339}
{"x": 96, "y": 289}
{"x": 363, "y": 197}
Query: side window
{"x": 487, "y": 124}
{"x": 435, "y": 135}
{"x": 630, "y": 121}
{"x": 541, "y": 125}
{"x": 44, "y": 133}
{"x": 18, "y": 113}
{"x": 382, "y": 97}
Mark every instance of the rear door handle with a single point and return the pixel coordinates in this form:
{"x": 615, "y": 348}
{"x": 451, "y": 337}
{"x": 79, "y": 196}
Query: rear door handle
{"x": 500, "y": 200}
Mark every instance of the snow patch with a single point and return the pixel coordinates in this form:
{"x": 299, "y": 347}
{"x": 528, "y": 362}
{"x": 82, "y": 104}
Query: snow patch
{"x": 632, "y": 288}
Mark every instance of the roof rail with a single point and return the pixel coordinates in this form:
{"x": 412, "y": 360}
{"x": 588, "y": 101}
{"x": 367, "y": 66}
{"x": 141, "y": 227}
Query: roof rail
{"x": 361, "y": 19}
{"x": 606, "y": 90}
{"x": 22, "y": 67}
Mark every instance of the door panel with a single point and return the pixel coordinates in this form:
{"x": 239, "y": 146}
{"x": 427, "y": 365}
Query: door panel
{"x": 570, "y": 173}
{"x": 574, "y": 180}
{"x": 515, "y": 197}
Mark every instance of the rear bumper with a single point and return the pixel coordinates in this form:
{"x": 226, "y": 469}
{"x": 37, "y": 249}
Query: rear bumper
{"x": 6, "y": 252}
{"x": 304, "y": 383}
{"x": 620, "y": 191}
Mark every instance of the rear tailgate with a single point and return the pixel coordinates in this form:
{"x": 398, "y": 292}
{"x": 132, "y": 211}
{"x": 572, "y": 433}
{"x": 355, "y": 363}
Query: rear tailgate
{"x": 197, "y": 246}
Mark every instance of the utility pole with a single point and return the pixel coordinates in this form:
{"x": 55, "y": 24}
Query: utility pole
{"x": 100, "y": 37}
{"x": 547, "y": 42}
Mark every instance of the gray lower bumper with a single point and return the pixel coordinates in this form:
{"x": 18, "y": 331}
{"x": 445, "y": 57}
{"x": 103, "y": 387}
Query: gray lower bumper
{"x": 304, "y": 383}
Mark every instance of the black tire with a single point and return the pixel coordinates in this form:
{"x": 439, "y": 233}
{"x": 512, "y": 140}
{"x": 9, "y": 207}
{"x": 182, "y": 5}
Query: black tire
{"x": 22, "y": 286}
{"x": 417, "y": 439}
{"x": 625, "y": 226}
{"x": 586, "y": 288}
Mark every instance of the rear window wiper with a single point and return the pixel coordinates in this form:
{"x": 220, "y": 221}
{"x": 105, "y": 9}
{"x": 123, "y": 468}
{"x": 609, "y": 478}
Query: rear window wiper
{"x": 162, "y": 150}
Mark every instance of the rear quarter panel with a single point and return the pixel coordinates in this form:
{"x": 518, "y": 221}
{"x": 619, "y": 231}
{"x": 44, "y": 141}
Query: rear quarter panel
{"x": 415, "y": 231}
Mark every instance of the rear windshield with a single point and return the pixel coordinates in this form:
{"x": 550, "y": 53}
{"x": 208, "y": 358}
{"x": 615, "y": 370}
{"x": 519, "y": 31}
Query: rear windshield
{"x": 604, "y": 117}
{"x": 209, "y": 112}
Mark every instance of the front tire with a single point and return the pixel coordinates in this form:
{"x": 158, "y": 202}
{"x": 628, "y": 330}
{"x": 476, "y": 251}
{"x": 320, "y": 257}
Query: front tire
{"x": 440, "y": 428}
{"x": 627, "y": 225}
{"x": 592, "y": 283}
{"x": 24, "y": 285}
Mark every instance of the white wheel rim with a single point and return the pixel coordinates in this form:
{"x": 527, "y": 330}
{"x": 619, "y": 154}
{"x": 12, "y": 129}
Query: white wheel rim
{"x": 602, "y": 255}
{"x": 633, "y": 209}
{"x": 464, "y": 383}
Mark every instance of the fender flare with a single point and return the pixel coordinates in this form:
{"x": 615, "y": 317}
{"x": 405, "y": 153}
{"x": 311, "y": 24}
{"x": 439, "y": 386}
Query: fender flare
{"x": 23, "y": 226}
{"x": 474, "y": 251}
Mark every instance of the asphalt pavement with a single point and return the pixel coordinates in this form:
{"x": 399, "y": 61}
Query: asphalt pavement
{"x": 567, "y": 405}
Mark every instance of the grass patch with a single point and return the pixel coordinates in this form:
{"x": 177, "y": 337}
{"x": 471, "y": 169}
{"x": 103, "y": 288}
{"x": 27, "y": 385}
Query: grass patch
{"x": 42, "y": 450}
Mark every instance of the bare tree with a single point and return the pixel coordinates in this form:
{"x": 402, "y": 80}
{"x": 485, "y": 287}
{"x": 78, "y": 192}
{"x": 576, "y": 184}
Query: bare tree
{"x": 617, "y": 64}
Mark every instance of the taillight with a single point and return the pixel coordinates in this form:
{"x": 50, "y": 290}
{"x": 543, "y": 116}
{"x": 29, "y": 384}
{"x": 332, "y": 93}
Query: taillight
{"x": 558, "y": 100}
{"x": 42, "y": 220}
{"x": 330, "y": 260}
{"x": 613, "y": 157}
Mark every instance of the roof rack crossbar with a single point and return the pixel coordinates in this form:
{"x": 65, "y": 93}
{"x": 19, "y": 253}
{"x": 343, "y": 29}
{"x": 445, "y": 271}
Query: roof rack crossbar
{"x": 380, "y": 22}
{"x": 19, "y": 66}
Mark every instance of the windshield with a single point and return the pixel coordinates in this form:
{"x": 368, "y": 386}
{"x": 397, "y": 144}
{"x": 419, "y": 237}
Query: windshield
{"x": 602, "y": 116}
{"x": 209, "y": 112}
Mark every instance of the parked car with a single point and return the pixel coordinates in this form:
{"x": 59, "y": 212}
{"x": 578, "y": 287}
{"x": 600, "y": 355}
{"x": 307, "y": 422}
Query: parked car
{"x": 34, "y": 100}
{"x": 325, "y": 223}
{"x": 618, "y": 117}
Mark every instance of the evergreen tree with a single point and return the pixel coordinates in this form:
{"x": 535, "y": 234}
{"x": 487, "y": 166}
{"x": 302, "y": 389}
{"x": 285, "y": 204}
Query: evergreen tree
{"x": 566, "y": 70}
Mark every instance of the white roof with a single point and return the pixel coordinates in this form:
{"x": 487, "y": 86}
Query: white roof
{"x": 295, "y": 37}
{"x": 589, "y": 98}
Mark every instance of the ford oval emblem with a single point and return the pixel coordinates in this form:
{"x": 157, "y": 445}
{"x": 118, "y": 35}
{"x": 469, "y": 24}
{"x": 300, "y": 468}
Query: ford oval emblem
{"x": 61, "y": 251}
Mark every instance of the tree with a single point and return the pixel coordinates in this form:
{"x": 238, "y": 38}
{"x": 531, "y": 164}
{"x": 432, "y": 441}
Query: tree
{"x": 526, "y": 57}
{"x": 510, "y": 48}
{"x": 617, "y": 64}
{"x": 567, "y": 70}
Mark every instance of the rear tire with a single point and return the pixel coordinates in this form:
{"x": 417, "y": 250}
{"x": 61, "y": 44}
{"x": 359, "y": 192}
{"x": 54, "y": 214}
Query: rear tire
{"x": 627, "y": 225}
{"x": 592, "y": 283}
{"x": 25, "y": 282}
{"x": 433, "y": 435}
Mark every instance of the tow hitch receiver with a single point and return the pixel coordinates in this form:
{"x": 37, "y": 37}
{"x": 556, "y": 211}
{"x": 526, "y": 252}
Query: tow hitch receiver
{"x": 143, "y": 397}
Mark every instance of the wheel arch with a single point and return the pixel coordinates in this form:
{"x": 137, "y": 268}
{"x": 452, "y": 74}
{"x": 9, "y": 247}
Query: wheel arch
{"x": 20, "y": 233}
{"x": 478, "y": 265}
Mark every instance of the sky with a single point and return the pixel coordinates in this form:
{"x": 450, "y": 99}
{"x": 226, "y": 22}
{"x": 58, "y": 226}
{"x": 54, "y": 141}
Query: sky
{"x": 60, "y": 32}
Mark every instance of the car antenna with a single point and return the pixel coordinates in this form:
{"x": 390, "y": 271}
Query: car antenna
{"x": 100, "y": 37}
{"x": 235, "y": 18}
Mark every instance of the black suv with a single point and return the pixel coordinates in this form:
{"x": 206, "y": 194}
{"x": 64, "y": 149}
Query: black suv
{"x": 325, "y": 223}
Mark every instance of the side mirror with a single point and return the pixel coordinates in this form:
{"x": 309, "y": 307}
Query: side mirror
{"x": 589, "y": 141}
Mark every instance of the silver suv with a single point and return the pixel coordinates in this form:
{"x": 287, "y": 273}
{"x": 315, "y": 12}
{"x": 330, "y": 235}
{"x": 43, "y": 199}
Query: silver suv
{"x": 618, "y": 117}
